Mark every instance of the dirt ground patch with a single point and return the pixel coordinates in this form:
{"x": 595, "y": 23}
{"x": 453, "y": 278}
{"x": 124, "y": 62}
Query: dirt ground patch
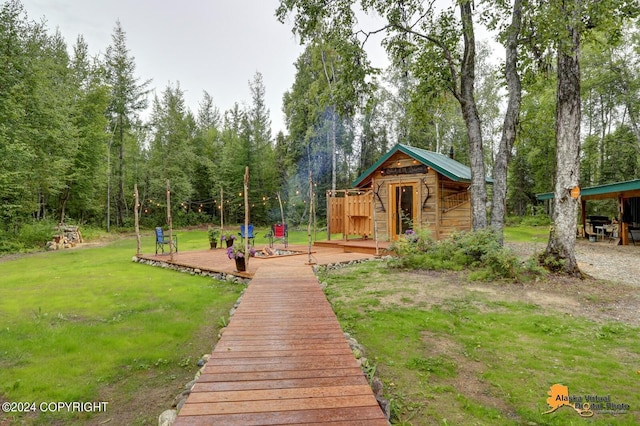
{"x": 468, "y": 373}
{"x": 610, "y": 291}
{"x": 597, "y": 299}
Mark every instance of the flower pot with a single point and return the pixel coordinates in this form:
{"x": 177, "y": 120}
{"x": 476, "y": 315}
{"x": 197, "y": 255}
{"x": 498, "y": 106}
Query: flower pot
{"x": 229, "y": 242}
{"x": 213, "y": 244}
{"x": 241, "y": 266}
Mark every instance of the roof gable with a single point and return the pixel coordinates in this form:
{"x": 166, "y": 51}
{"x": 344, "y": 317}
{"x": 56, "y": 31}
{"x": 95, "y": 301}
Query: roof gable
{"x": 441, "y": 163}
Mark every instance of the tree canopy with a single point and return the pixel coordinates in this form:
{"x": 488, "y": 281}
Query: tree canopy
{"x": 78, "y": 131}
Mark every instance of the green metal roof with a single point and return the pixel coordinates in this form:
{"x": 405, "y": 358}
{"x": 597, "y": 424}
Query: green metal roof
{"x": 441, "y": 163}
{"x": 593, "y": 191}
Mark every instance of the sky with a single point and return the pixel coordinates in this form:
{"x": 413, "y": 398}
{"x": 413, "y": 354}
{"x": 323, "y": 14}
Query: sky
{"x": 215, "y": 46}
{"x": 204, "y": 45}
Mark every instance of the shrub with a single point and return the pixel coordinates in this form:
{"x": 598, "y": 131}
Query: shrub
{"x": 10, "y": 246}
{"x": 29, "y": 236}
{"x": 414, "y": 241}
{"x": 478, "y": 250}
{"x": 536, "y": 220}
{"x": 36, "y": 234}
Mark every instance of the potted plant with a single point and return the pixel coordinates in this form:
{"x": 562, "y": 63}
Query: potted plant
{"x": 214, "y": 235}
{"x": 238, "y": 254}
{"x": 228, "y": 239}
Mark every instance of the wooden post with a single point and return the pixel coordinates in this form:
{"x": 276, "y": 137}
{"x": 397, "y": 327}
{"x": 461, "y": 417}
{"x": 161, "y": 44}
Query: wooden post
{"x": 136, "y": 210}
{"x": 345, "y": 216}
{"x": 310, "y": 262}
{"x": 281, "y": 209}
{"x": 246, "y": 217}
{"x": 623, "y": 227}
{"x": 169, "y": 223}
{"x": 221, "y": 214}
{"x": 315, "y": 217}
{"x": 583, "y": 217}
{"x": 329, "y": 195}
{"x": 375, "y": 221}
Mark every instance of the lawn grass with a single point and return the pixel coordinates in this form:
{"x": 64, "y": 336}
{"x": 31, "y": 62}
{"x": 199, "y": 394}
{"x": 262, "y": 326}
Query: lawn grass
{"x": 526, "y": 234}
{"x": 468, "y": 357}
{"x": 91, "y": 325}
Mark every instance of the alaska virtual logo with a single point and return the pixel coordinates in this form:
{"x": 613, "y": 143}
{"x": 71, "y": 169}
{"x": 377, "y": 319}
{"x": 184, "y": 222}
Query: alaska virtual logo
{"x": 585, "y": 405}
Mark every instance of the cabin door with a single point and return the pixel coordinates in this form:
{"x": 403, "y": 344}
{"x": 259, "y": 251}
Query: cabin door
{"x": 403, "y": 208}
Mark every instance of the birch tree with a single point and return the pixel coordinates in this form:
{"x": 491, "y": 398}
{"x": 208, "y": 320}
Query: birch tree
{"x": 568, "y": 21}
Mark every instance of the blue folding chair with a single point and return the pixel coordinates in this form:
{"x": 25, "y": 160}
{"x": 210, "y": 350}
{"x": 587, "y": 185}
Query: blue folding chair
{"x": 247, "y": 233}
{"x": 161, "y": 240}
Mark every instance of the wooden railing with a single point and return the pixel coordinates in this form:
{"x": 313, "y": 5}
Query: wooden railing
{"x": 453, "y": 201}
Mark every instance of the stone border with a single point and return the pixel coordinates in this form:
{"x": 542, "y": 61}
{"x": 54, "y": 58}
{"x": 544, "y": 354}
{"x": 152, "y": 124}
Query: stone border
{"x": 221, "y": 276}
{"x": 168, "y": 417}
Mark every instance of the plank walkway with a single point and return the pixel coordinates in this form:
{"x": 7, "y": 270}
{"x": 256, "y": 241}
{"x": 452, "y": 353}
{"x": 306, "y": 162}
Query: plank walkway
{"x": 283, "y": 359}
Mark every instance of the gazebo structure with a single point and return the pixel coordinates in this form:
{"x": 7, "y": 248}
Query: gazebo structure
{"x": 623, "y": 228}
{"x": 405, "y": 189}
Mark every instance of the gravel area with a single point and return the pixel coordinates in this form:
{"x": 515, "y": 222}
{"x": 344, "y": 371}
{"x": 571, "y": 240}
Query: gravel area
{"x": 601, "y": 260}
{"x": 609, "y": 262}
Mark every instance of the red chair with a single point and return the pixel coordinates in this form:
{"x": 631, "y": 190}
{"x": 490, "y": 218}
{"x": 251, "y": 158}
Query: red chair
{"x": 279, "y": 232}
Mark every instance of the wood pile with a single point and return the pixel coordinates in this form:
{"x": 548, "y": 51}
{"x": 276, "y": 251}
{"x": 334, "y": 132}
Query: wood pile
{"x": 66, "y": 237}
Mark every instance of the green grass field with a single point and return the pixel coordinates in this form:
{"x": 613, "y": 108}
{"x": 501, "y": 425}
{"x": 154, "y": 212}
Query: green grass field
{"x": 91, "y": 325}
{"x": 454, "y": 352}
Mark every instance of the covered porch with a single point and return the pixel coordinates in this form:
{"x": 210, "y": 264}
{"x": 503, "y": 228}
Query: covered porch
{"x": 624, "y": 227}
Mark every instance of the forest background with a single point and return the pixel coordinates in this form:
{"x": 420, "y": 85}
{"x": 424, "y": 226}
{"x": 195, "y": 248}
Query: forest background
{"x": 73, "y": 142}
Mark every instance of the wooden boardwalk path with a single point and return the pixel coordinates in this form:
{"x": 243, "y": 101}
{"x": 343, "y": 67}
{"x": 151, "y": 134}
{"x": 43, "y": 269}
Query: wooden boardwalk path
{"x": 283, "y": 359}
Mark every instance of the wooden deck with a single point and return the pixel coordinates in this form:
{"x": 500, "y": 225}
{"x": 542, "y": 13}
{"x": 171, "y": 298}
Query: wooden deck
{"x": 283, "y": 359}
{"x": 359, "y": 245}
{"x": 216, "y": 260}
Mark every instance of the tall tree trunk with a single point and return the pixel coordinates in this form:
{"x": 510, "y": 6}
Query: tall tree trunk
{"x": 561, "y": 247}
{"x": 510, "y": 125}
{"x": 334, "y": 149}
{"x": 472, "y": 121}
{"x": 64, "y": 199}
{"x": 120, "y": 202}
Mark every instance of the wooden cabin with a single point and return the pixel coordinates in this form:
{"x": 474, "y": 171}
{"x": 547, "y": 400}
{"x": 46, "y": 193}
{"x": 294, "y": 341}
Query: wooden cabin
{"x": 408, "y": 188}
